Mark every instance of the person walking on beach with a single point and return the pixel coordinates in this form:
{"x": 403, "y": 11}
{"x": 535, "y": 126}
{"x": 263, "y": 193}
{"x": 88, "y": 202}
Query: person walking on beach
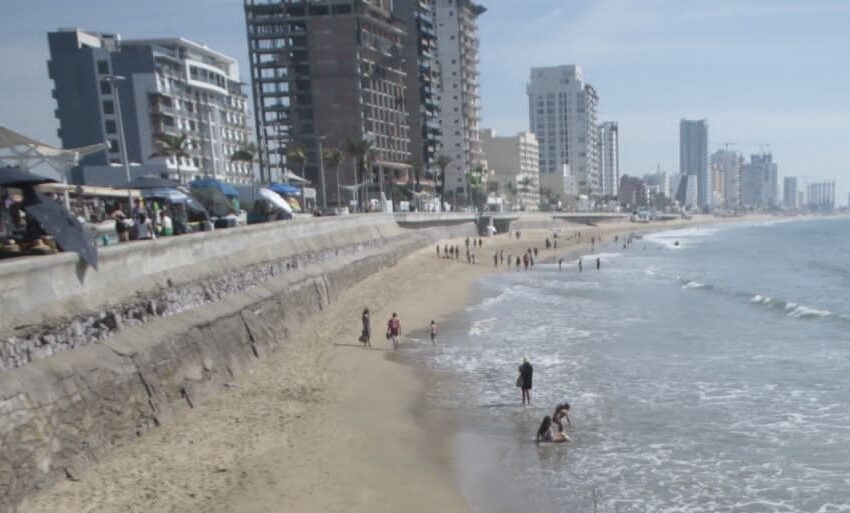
{"x": 598, "y": 263}
{"x": 525, "y": 261}
{"x": 394, "y": 329}
{"x": 366, "y": 334}
{"x": 433, "y": 333}
{"x": 579, "y": 264}
{"x": 496, "y": 259}
{"x": 438, "y": 251}
{"x": 526, "y": 372}
{"x": 560, "y": 263}
{"x": 517, "y": 262}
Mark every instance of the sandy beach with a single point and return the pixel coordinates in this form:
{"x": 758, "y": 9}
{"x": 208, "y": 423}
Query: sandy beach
{"x": 323, "y": 424}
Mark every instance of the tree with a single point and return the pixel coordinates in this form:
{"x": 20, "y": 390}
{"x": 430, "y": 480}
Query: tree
{"x": 442, "y": 162}
{"x": 246, "y": 153}
{"x": 360, "y": 152}
{"x": 298, "y": 154}
{"x": 333, "y": 158}
{"x": 169, "y": 146}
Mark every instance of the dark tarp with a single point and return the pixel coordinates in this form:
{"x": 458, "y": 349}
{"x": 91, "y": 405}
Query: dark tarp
{"x": 60, "y": 224}
{"x": 17, "y": 177}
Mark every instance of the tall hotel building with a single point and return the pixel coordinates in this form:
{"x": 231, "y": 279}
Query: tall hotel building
{"x": 325, "y": 73}
{"x": 693, "y": 158}
{"x": 423, "y": 83}
{"x": 563, "y": 116}
{"x": 609, "y": 158}
{"x": 460, "y": 103}
{"x": 170, "y": 86}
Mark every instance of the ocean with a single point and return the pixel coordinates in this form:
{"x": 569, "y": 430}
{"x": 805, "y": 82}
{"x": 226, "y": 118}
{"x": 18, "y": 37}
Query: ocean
{"x": 708, "y": 370}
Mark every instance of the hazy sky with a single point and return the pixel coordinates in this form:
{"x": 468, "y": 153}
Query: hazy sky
{"x": 762, "y": 72}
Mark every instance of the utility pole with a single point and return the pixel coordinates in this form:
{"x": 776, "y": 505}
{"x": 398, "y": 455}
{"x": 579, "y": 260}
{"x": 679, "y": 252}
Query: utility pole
{"x": 125, "y": 160}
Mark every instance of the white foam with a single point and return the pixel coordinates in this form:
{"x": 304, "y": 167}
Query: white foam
{"x": 761, "y": 300}
{"x": 805, "y": 312}
{"x": 481, "y": 327}
{"x": 694, "y": 285}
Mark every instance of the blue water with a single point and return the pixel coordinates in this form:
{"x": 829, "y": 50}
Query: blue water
{"x": 708, "y": 376}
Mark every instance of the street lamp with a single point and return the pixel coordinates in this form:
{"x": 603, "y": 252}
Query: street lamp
{"x": 125, "y": 160}
{"x": 319, "y": 140}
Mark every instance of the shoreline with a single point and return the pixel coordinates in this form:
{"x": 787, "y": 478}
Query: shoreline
{"x": 321, "y": 425}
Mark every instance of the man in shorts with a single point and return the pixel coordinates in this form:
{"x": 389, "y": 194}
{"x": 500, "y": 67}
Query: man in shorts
{"x": 394, "y": 329}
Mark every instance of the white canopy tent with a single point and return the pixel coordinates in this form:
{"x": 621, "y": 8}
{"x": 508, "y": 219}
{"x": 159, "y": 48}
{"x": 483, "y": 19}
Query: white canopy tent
{"x": 27, "y": 153}
{"x": 17, "y": 149}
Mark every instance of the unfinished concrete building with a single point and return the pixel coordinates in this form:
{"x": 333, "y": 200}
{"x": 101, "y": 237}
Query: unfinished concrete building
{"x": 330, "y": 70}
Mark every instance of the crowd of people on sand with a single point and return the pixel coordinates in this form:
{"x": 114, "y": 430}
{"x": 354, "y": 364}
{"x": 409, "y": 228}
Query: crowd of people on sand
{"x": 393, "y": 330}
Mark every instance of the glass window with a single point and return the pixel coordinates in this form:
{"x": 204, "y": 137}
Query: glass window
{"x": 108, "y": 107}
{"x": 110, "y": 126}
{"x": 103, "y": 67}
{"x": 113, "y": 146}
{"x": 105, "y": 87}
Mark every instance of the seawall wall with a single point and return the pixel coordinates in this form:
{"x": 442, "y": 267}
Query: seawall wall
{"x": 94, "y": 359}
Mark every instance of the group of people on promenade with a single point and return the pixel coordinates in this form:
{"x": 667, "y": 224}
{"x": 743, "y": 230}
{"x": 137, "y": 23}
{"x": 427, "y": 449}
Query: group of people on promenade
{"x": 150, "y": 220}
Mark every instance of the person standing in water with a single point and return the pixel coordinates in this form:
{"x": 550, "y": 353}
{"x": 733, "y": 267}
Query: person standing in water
{"x": 526, "y": 373}
{"x": 433, "y": 333}
{"x": 598, "y": 263}
{"x": 560, "y": 263}
{"x": 579, "y": 264}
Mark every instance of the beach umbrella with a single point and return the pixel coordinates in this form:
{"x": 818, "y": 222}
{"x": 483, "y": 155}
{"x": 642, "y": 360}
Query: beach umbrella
{"x": 17, "y": 177}
{"x": 275, "y": 199}
{"x": 169, "y": 195}
{"x": 213, "y": 200}
{"x": 284, "y": 188}
{"x": 60, "y": 224}
{"x": 211, "y": 183}
{"x": 152, "y": 182}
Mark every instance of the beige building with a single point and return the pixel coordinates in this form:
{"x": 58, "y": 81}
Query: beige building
{"x": 515, "y": 166}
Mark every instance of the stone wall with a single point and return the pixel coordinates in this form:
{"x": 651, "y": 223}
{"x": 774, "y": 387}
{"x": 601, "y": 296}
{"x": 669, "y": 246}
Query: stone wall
{"x": 165, "y": 339}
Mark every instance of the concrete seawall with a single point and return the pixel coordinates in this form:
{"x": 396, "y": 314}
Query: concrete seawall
{"x": 91, "y": 360}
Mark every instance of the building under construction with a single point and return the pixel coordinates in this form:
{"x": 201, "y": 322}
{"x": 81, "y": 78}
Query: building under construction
{"x": 326, "y": 72}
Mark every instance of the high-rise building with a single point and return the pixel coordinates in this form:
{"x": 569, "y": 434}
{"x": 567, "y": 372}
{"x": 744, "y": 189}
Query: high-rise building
{"x": 759, "y": 182}
{"x": 726, "y": 168}
{"x": 633, "y": 192}
{"x": 460, "y": 102}
{"x": 658, "y": 183}
{"x": 562, "y": 114}
{"x": 693, "y": 157}
{"x": 326, "y": 73}
{"x": 789, "y": 192}
{"x": 609, "y": 157}
{"x": 514, "y": 163}
{"x": 167, "y": 87}
{"x": 423, "y": 82}
{"x": 821, "y": 196}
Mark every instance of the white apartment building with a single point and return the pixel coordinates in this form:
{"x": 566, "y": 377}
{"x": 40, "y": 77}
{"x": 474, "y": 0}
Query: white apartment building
{"x": 609, "y": 157}
{"x": 460, "y": 104}
{"x": 515, "y": 166}
{"x": 171, "y": 86}
{"x": 727, "y": 164}
{"x": 563, "y": 116}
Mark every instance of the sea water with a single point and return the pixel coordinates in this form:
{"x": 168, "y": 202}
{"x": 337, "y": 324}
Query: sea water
{"x": 708, "y": 370}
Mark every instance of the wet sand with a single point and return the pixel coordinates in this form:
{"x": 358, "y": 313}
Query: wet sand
{"x": 323, "y": 424}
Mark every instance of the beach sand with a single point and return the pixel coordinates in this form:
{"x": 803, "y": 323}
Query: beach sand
{"x": 322, "y": 424}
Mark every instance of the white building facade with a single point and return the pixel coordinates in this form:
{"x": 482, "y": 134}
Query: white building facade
{"x": 168, "y": 87}
{"x": 609, "y": 158}
{"x": 515, "y": 166}
{"x": 563, "y": 116}
{"x": 460, "y": 102}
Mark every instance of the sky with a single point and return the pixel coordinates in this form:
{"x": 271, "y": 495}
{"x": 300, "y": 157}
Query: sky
{"x": 766, "y": 74}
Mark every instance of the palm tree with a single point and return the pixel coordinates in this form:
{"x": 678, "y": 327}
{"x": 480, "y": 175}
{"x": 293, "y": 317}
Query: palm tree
{"x": 245, "y": 153}
{"x": 443, "y": 162}
{"x": 169, "y": 146}
{"x": 298, "y": 154}
{"x": 333, "y": 158}
{"x": 360, "y": 153}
